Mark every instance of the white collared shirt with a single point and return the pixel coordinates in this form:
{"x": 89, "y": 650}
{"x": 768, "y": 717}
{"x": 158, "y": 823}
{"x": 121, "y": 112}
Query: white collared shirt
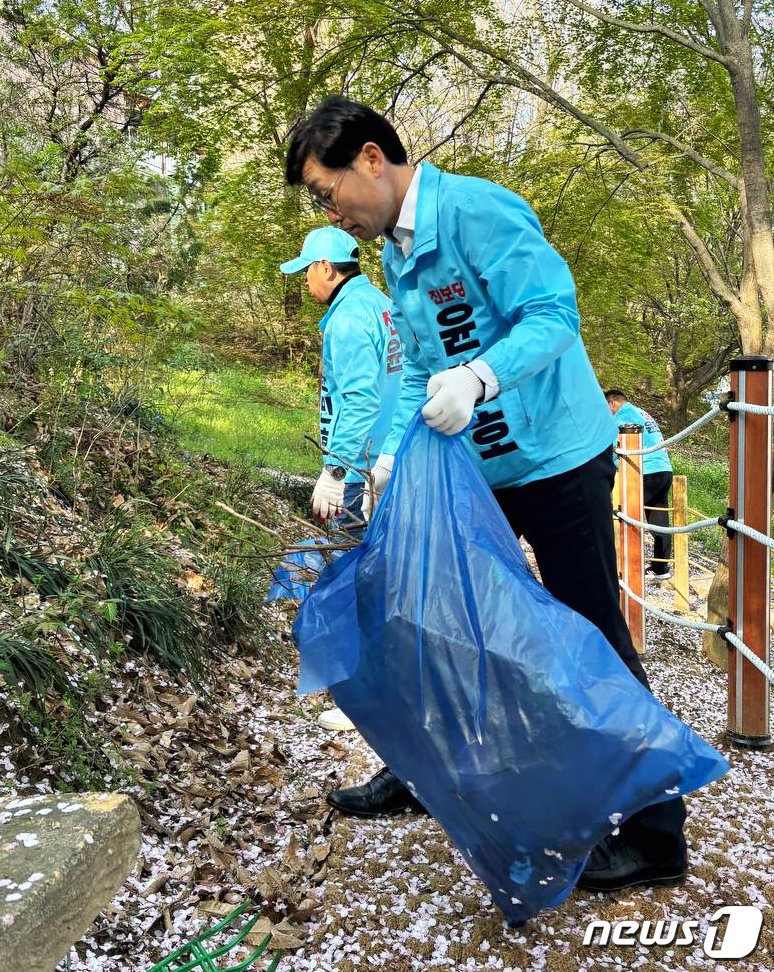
{"x": 403, "y": 236}
{"x": 403, "y": 233}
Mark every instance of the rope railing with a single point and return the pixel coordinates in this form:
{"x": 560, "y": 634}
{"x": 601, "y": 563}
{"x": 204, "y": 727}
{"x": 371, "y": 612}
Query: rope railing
{"x": 750, "y": 407}
{"x": 763, "y": 668}
{"x": 705, "y": 419}
{"x": 748, "y": 532}
{"x": 666, "y": 616}
{"x": 726, "y": 523}
{"x": 688, "y": 528}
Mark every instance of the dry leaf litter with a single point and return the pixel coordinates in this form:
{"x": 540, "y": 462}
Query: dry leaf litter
{"x": 231, "y": 792}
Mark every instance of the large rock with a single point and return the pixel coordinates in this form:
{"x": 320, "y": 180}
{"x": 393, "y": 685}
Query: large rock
{"x": 62, "y": 858}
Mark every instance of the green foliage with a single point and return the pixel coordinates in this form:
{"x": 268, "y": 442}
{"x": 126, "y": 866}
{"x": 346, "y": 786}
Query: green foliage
{"x": 30, "y": 667}
{"x": 707, "y": 493}
{"x": 240, "y": 415}
{"x": 707, "y": 483}
{"x": 43, "y": 573}
{"x": 151, "y": 611}
{"x": 66, "y": 737}
{"x": 15, "y": 487}
{"x": 94, "y": 245}
{"x": 236, "y": 609}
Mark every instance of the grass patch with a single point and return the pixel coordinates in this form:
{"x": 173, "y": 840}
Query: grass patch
{"x": 25, "y": 665}
{"x": 707, "y": 483}
{"x": 139, "y": 582}
{"x": 707, "y": 495}
{"x": 237, "y": 414}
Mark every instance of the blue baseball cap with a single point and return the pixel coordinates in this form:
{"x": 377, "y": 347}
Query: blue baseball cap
{"x": 328, "y": 243}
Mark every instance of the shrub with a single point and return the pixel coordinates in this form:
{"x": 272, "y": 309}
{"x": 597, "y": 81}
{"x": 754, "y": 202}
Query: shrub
{"x": 153, "y": 613}
{"x": 27, "y": 666}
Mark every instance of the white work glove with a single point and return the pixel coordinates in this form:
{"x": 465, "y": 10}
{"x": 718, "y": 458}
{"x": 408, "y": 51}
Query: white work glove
{"x": 454, "y": 394}
{"x": 328, "y": 496}
{"x": 380, "y": 476}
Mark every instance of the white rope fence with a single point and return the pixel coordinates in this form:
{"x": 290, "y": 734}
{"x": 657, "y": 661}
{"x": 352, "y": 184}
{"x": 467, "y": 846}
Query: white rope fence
{"x": 742, "y": 648}
{"x": 665, "y": 616}
{"x": 708, "y": 417}
{"x": 729, "y": 636}
{"x": 688, "y": 528}
{"x": 750, "y": 457}
{"x": 747, "y": 407}
{"x": 713, "y": 413}
{"x": 723, "y": 521}
{"x": 747, "y": 531}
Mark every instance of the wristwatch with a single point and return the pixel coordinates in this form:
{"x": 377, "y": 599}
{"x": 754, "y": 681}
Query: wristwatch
{"x": 338, "y": 472}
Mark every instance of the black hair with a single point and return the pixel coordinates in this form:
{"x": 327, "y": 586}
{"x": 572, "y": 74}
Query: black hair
{"x": 346, "y": 268}
{"x": 335, "y": 132}
{"x": 616, "y": 394}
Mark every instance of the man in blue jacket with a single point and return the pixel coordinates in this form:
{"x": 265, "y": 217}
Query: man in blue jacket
{"x": 656, "y": 479}
{"x": 362, "y": 367}
{"x": 487, "y": 316}
{"x": 361, "y": 374}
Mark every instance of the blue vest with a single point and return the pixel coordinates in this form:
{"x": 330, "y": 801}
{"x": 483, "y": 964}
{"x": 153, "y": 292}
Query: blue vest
{"x": 654, "y": 462}
{"x": 483, "y": 282}
{"x": 362, "y": 367}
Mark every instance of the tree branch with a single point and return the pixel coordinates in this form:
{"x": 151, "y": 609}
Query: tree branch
{"x": 479, "y": 101}
{"x": 530, "y": 83}
{"x": 688, "y": 152}
{"x": 712, "y": 11}
{"x": 747, "y": 16}
{"x": 672, "y": 35}
{"x": 525, "y": 80}
{"x": 707, "y": 264}
{"x": 599, "y": 210}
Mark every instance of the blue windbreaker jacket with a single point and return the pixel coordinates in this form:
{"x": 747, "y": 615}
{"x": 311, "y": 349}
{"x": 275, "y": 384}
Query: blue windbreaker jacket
{"x": 482, "y": 281}
{"x": 654, "y": 462}
{"x": 362, "y": 367}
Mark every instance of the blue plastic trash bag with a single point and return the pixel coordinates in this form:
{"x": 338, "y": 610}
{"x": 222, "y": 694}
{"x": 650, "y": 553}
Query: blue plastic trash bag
{"x": 509, "y": 716}
{"x": 291, "y": 577}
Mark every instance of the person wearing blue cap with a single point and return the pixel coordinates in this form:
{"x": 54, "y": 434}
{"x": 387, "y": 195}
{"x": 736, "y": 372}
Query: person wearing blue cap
{"x": 487, "y": 313}
{"x": 656, "y": 479}
{"x": 361, "y": 369}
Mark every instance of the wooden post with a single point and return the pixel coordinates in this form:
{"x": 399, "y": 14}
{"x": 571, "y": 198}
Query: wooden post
{"x": 631, "y": 562}
{"x": 617, "y": 506}
{"x": 680, "y": 543}
{"x": 748, "y": 560}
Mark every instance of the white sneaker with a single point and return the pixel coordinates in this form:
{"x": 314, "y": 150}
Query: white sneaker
{"x": 336, "y": 720}
{"x": 658, "y": 578}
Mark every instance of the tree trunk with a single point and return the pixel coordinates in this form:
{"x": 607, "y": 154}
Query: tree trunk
{"x": 757, "y": 210}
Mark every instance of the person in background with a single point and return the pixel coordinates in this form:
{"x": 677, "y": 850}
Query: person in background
{"x": 656, "y": 476}
{"x": 361, "y": 374}
{"x": 489, "y": 324}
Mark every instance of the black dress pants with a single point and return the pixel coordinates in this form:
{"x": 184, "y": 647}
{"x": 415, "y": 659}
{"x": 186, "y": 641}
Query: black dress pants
{"x": 568, "y": 521}
{"x": 655, "y": 488}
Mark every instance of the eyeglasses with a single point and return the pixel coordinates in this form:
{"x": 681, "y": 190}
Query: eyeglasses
{"x": 324, "y": 200}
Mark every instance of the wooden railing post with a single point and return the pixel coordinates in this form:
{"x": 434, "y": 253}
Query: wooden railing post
{"x": 680, "y": 543}
{"x": 630, "y": 538}
{"x": 749, "y": 580}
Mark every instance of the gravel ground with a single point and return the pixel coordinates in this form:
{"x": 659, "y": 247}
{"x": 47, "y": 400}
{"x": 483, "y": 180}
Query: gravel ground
{"x": 398, "y": 897}
{"x": 237, "y": 808}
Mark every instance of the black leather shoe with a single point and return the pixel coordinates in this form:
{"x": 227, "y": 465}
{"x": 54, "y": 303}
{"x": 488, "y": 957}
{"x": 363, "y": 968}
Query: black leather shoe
{"x": 382, "y": 796}
{"x": 615, "y": 866}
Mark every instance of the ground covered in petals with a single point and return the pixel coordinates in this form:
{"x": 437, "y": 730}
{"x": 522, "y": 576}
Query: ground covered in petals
{"x": 231, "y": 785}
